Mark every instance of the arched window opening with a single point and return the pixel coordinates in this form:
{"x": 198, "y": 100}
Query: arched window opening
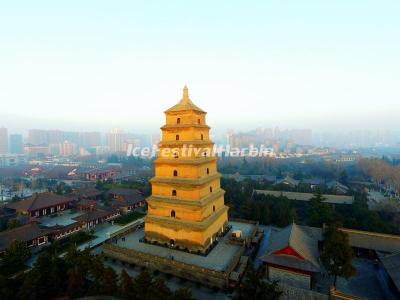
{"x": 213, "y": 207}
{"x": 172, "y": 214}
{"x": 202, "y": 137}
{"x": 208, "y": 171}
{"x": 205, "y": 153}
{"x": 178, "y": 121}
{"x": 198, "y": 121}
{"x": 177, "y": 137}
{"x": 176, "y": 155}
{"x": 174, "y": 193}
{"x": 175, "y": 173}
{"x": 210, "y": 189}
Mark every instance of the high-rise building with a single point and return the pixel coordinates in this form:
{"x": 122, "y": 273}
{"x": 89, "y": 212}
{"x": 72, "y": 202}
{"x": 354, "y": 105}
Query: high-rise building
{"x": 72, "y": 136}
{"x": 277, "y": 133}
{"x": 36, "y": 150}
{"x": 89, "y": 139}
{"x": 55, "y": 136}
{"x": 16, "y": 144}
{"x": 3, "y": 140}
{"x": 37, "y": 137}
{"x": 186, "y": 208}
{"x": 67, "y": 149}
{"x": 116, "y": 140}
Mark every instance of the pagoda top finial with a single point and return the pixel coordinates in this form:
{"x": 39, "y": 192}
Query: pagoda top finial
{"x": 185, "y": 103}
{"x": 185, "y": 93}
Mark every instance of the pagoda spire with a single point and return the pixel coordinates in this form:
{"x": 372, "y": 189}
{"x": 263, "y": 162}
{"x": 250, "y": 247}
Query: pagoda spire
{"x": 185, "y": 93}
{"x": 185, "y": 103}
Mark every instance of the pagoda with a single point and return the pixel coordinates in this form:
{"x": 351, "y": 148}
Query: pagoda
{"x": 186, "y": 209}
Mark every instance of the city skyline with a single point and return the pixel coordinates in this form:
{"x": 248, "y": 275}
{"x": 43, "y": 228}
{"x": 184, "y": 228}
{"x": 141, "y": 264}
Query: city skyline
{"x": 100, "y": 67}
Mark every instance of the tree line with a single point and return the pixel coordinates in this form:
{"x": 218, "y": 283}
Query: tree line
{"x": 381, "y": 172}
{"x": 280, "y": 211}
{"x": 79, "y": 274}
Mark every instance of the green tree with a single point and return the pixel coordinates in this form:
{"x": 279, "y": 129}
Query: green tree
{"x": 46, "y": 279}
{"x": 59, "y": 190}
{"x": 343, "y": 177}
{"x": 15, "y": 198}
{"x": 142, "y": 284}
{"x": 57, "y": 276}
{"x": 97, "y": 273}
{"x": 99, "y": 185}
{"x": 337, "y": 254}
{"x": 76, "y": 283}
{"x": 254, "y": 288}
{"x": 13, "y": 223}
{"x": 30, "y": 286}
{"x": 126, "y": 286}
{"x": 6, "y": 292}
{"x": 109, "y": 282}
{"x": 159, "y": 290}
{"x": 298, "y": 175}
{"x": 16, "y": 253}
{"x": 319, "y": 212}
{"x": 107, "y": 199}
{"x": 282, "y": 212}
{"x": 67, "y": 189}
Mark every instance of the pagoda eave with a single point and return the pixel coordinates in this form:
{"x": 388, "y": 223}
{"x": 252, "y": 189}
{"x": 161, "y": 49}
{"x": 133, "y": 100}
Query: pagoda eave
{"x": 188, "y": 143}
{"x": 185, "y": 181}
{"x": 197, "y": 161}
{"x": 179, "y": 224}
{"x": 180, "y": 126}
{"x": 197, "y": 203}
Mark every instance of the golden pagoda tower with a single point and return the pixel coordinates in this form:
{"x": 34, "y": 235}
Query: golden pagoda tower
{"x": 186, "y": 209}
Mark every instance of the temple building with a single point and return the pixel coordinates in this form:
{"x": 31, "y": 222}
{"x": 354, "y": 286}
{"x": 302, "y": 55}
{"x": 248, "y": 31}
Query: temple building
{"x": 186, "y": 209}
{"x": 292, "y": 257}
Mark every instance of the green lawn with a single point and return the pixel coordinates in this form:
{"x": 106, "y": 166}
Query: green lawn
{"x": 125, "y": 219}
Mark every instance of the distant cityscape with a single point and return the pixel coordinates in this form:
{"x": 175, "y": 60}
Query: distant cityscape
{"x": 343, "y": 140}
{"x": 66, "y": 143}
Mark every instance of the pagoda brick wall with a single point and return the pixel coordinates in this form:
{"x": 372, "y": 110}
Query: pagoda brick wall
{"x": 186, "y": 209}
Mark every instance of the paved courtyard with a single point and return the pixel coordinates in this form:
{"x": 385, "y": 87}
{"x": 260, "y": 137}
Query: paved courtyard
{"x": 63, "y": 218}
{"x": 102, "y": 233}
{"x": 218, "y": 259}
{"x": 364, "y": 284}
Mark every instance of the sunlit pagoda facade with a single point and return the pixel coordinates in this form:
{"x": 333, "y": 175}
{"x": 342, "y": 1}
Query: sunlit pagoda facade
{"x": 186, "y": 209}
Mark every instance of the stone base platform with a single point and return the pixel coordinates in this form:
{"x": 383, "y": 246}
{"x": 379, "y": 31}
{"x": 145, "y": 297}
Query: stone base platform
{"x": 212, "y": 270}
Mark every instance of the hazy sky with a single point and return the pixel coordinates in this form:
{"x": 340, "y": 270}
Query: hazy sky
{"x": 105, "y": 64}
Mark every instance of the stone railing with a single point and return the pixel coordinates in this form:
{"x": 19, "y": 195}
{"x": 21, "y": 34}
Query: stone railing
{"x": 211, "y": 278}
{"x": 126, "y": 228}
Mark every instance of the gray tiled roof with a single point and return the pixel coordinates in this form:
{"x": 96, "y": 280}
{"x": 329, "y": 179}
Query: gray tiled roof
{"x": 391, "y": 263}
{"x": 94, "y": 215}
{"x": 288, "y": 180}
{"x": 39, "y": 201}
{"x": 389, "y": 243}
{"x": 127, "y": 196}
{"x": 332, "y": 199}
{"x": 23, "y": 233}
{"x": 306, "y": 246}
